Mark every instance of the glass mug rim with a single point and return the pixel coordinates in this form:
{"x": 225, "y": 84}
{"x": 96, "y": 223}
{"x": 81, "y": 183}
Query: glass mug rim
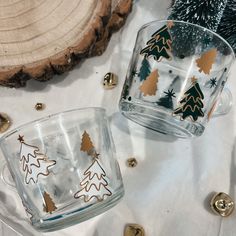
{"x": 48, "y": 117}
{"x": 190, "y": 24}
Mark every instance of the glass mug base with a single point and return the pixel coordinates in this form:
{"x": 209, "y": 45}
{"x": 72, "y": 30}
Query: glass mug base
{"x": 78, "y": 215}
{"x": 159, "y": 120}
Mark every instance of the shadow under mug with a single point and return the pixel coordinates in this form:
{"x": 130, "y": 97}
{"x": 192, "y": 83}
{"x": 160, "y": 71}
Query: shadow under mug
{"x": 175, "y": 78}
{"x": 64, "y": 167}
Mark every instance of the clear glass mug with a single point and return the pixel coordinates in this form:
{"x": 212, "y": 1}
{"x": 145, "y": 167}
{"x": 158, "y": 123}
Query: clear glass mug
{"x": 64, "y": 167}
{"x": 175, "y": 78}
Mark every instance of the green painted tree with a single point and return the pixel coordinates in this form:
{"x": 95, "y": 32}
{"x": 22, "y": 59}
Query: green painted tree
{"x": 145, "y": 69}
{"x": 159, "y": 45}
{"x": 166, "y": 101}
{"x": 191, "y": 103}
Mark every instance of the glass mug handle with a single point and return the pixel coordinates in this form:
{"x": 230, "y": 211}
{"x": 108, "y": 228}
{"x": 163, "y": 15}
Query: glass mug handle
{"x": 6, "y": 176}
{"x": 224, "y": 103}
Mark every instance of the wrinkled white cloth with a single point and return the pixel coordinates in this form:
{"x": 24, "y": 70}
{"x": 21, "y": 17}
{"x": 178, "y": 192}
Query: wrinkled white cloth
{"x": 168, "y": 192}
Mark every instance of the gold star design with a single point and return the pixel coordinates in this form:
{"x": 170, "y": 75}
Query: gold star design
{"x": 21, "y": 138}
{"x": 95, "y": 155}
{"x": 170, "y": 93}
{"x": 213, "y": 82}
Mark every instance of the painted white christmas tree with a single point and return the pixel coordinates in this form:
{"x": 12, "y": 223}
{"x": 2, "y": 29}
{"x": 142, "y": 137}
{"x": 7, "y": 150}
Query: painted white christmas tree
{"x": 33, "y": 162}
{"x": 95, "y": 182}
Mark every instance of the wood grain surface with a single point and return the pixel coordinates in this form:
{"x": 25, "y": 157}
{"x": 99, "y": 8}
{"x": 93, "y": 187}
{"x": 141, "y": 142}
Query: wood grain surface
{"x": 41, "y": 38}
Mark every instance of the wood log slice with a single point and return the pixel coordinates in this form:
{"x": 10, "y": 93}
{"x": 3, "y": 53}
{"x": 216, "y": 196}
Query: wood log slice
{"x": 120, "y": 12}
{"x": 41, "y": 38}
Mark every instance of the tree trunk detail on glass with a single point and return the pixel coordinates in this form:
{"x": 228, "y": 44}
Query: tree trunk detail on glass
{"x": 191, "y": 104}
{"x": 149, "y": 86}
{"x": 159, "y": 45}
{"x": 95, "y": 182}
{"x": 33, "y": 162}
{"x": 206, "y": 61}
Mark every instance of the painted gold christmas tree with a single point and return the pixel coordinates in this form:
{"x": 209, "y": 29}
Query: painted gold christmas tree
{"x": 149, "y": 86}
{"x": 95, "y": 182}
{"x": 86, "y": 145}
{"x": 49, "y": 205}
{"x": 206, "y": 61}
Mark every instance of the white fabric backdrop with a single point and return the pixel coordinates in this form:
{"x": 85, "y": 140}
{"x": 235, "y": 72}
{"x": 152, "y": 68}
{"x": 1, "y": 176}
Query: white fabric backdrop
{"x": 167, "y": 192}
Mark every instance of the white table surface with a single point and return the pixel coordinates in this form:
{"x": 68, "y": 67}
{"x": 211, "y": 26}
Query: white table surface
{"x": 167, "y": 192}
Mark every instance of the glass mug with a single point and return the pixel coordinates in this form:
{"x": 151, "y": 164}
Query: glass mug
{"x": 175, "y": 78}
{"x": 64, "y": 167}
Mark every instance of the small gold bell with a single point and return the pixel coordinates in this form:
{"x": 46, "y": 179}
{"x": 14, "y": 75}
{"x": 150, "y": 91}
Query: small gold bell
{"x": 222, "y": 204}
{"x": 39, "y": 106}
{"x": 5, "y": 122}
{"x": 132, "y": 162}
{"x": 110, "y": 80}
{"x": 134, "y": 230}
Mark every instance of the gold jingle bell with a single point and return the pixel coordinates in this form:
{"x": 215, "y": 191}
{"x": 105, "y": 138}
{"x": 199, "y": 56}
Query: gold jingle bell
{"x": 110, "y": 80}
{"x": 134, "y": 230}
{"x": 5, "y": 122}
{"x": 222, "y": 204}
{"x": 39, "y": 106}
{"x": 132, "y": 162}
